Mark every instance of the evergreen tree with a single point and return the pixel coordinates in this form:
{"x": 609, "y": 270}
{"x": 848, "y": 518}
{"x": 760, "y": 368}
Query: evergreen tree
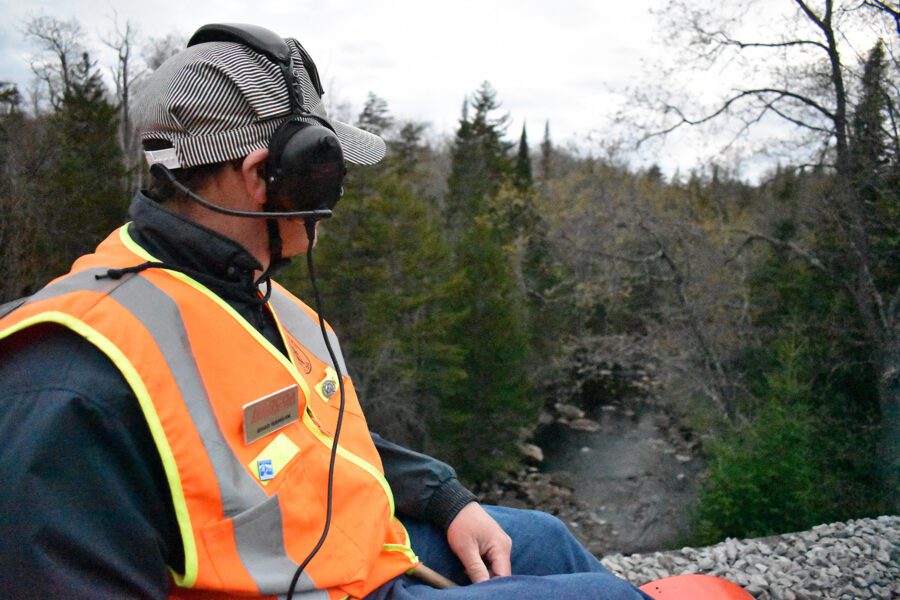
{"x": 546, "y": 153}
{"x": 375, "y": 116}
{"x": 10, "y": 98}
{"x": 522, "y": 170}
{"x": 875, "y": 172}
{"x": 493, "y": 332}
{"x": 407, "y": 150}
{"x": 86, "y": 184}
{"x": 867, "y": 143}
{"x": 480, "y": 159}
{"x": 480, "y": 423}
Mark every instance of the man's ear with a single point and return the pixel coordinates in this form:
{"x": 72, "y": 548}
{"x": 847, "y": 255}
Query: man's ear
{"x": 253, "y": 171}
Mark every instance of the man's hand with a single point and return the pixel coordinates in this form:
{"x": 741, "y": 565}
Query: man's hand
{"x": 480, "y": 543}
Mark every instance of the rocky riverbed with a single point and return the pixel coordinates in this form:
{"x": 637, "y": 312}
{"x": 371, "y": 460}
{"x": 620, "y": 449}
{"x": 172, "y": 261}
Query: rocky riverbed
{"x": 853, "y": 560}
{"x": 623, "y": 481}
{"x": 623, "y": 477}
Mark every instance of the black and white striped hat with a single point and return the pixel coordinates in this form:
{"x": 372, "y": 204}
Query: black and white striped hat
{"x": 218, "y": 101}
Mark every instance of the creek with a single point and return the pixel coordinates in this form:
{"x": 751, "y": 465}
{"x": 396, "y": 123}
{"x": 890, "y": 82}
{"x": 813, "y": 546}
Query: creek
{"x": 631, "y": 468}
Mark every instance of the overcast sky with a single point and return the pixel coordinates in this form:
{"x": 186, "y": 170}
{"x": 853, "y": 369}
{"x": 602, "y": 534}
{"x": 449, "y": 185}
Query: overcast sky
{"x": 566, "y": 61}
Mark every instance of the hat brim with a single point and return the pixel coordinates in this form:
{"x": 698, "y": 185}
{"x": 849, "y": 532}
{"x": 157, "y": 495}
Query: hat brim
{"x": 360, "y": 147}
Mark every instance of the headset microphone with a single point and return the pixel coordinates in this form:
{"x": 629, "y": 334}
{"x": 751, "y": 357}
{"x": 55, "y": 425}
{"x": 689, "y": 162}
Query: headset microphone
{"x": 160, "y": 171}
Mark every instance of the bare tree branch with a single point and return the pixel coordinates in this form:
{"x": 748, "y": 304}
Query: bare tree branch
{"x": 885, "y": 7}
{"x": 728, "y": 103}
{"x": 727, "y": 40}
{"x": 59, "y": 44}
{"x": 122, "y": 41}
{"x": 753, "y": 236}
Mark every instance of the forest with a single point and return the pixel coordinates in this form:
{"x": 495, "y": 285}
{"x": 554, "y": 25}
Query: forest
{"x": 477, "y": 280}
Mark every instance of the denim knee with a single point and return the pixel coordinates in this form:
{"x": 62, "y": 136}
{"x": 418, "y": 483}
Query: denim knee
{"x": 542, "y": 544}
{"x": 551, "y": 527}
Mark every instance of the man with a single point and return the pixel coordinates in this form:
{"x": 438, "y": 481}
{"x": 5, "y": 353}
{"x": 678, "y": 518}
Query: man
{"x": 170, "y": 420}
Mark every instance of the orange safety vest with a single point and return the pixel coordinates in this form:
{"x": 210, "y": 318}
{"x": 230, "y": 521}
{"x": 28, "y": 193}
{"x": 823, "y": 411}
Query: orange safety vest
{"x": 249, "y": 510}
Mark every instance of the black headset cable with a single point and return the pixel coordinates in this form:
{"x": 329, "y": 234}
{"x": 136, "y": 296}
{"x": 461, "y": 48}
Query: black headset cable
{"x": 311, "y": 238}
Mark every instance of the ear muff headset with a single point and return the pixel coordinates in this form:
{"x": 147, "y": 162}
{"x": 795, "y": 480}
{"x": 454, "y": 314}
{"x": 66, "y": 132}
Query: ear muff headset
{"x": 305, "y": 169}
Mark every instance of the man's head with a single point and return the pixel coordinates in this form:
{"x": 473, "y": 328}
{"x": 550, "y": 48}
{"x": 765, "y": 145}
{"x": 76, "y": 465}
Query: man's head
{"x": 239, "y": 114}
{"x": 228, "y": 93}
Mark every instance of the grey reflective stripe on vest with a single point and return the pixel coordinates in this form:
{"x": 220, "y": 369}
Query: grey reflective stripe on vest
{"x": 83, "y": 280}
{"x": 305, "y": 329}
{"x": 258, "y": 526}
{"x": 12, "y": 305}
{"x": 162, "y": 318}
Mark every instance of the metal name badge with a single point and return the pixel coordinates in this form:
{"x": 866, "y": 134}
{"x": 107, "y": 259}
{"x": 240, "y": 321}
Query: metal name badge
{"x": 271, "y": 413}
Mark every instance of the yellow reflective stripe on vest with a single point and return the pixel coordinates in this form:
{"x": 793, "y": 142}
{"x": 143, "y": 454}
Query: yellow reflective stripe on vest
{"x": 405, "y": 548}
{"x": 156, "y": 430}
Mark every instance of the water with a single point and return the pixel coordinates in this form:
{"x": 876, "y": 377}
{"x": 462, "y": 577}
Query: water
{"x": 629, "y": 474}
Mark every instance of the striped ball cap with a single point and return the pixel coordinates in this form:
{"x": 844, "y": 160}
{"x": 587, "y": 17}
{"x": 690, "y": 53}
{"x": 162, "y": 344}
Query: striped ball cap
{"x": 219, "y": 101}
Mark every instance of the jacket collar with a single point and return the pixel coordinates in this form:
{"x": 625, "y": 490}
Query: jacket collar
{"x": 174, "y": 239}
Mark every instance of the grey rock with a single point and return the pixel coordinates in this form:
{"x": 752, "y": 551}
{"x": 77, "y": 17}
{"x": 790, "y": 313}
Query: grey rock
{"x": 568, "y": 411}
{"x": 532, "y": 452}
{"x": 582, "y": 424}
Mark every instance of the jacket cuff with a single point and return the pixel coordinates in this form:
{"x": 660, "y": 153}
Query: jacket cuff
{"x": 447, "y": 501}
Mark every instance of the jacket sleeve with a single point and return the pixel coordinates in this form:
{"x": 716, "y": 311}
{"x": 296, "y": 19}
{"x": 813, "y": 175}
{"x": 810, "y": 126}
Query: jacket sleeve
{"x": 424, "y": 488}
{"x": 84, "y": 506}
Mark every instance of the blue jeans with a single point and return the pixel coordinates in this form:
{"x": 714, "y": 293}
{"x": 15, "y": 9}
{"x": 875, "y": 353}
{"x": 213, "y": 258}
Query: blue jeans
{"x": 548, "y": 563}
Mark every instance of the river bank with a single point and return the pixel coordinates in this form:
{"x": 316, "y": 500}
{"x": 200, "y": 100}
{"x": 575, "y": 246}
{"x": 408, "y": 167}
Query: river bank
{"x": 622, "y": 476}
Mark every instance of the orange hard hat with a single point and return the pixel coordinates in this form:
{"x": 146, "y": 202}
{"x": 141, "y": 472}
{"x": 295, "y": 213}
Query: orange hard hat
{"x": 694, "y": 587}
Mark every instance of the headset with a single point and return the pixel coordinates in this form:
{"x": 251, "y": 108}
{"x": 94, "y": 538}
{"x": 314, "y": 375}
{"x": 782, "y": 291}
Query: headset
{"x": 305, "y": 169}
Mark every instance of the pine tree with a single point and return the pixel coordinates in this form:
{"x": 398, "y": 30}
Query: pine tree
{"x": 867, "y": 143}
{"x": 522, "y": 170}
{"x": 493, "y": 330}
{"x": 86, "y": 185}
{"x": 546, "y": 154}
{"x": 481, "y": 421}
{"x": 375, "y": 116}
{"x": 10, "y": 98}
{"x": 480, "y": 159}
{"x": 407, "y": 149}
{"x": 875, "y": 171}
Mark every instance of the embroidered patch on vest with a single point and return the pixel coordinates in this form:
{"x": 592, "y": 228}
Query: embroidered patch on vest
{"x": 329, "y": 385}
{"x": 271, "y": 413}
{"x": 274, "y": 457}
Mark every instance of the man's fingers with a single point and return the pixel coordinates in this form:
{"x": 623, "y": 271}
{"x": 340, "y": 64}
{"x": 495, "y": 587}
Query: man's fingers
{"x": 473, "y": 534}
{"x": 474, "y": 566}
{"x": 498, "y": 558}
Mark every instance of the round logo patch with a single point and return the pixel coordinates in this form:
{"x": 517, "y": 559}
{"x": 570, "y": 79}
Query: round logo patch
{"x": 300, "y": 356}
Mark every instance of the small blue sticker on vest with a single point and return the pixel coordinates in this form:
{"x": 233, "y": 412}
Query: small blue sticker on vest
{"x": 266, "y": 471}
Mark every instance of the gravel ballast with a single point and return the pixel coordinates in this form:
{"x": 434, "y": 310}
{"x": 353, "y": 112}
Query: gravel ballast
{"x": 853, "y": 560}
